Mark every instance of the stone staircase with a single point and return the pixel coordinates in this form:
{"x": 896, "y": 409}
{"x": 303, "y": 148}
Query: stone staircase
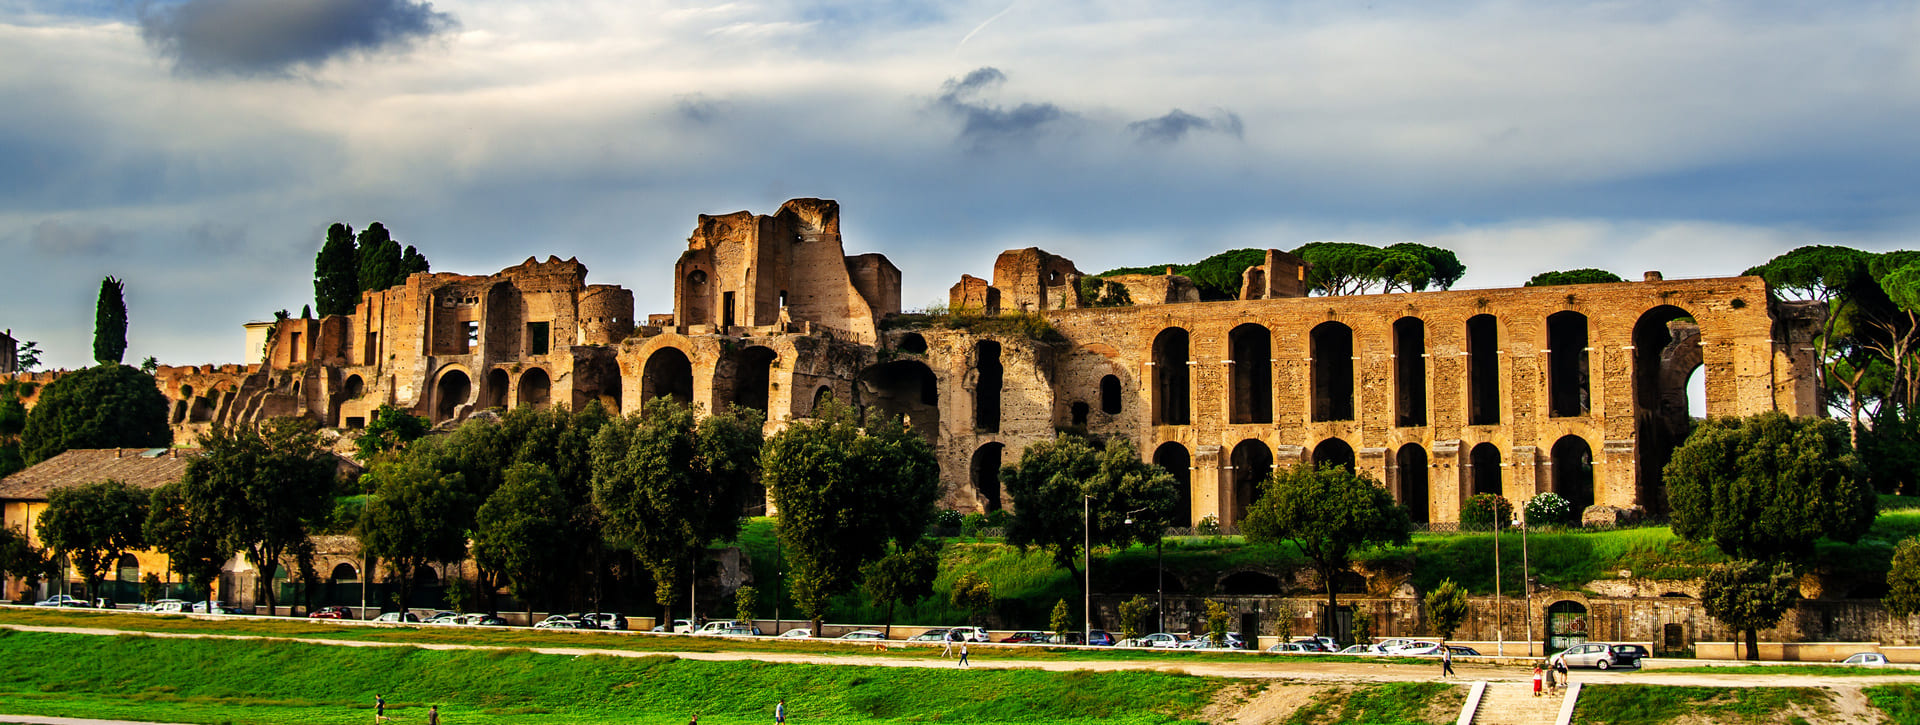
{"x": 1513, "y": 703}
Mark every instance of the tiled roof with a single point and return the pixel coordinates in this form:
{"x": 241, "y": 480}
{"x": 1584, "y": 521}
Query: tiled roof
{"x": 146, "y": 468}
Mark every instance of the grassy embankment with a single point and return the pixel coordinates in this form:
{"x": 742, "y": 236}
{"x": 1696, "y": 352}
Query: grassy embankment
{"x": 217, "y": 681}
{"x": 1901, "y": 703}
{"x": 1655, "y": 704}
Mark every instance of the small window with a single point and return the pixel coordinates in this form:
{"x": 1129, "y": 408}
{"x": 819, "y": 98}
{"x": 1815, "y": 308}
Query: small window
{"x": 538, "y": 338}
{"x": 472, "y": 332}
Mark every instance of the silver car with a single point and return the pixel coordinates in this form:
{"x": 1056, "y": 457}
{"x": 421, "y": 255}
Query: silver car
{"x": 1599, "y": 655}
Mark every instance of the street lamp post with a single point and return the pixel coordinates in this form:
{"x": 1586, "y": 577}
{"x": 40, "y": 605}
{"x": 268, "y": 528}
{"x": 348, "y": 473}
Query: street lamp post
{"x": 1526, "y": 580}
{"x": 1086, "y": 565}
{"x": 1159, "y": 576}
{"x": 1499, "y": 612}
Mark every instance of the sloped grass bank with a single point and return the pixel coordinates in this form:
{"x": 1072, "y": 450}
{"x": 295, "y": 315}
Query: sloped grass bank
{"x": 1656, "y": 704}
{"x": 1901, "y": 703}
{"x": 1393, "y": 703}
{"x": 216, "y": 681}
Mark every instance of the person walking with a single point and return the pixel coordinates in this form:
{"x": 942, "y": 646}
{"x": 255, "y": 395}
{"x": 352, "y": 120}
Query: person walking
{"x": 947, "y": 649}
{"x": 1446, "y": 661}
{"x": 780, "y": 712}
{"x": 963, "y": 655}
{"x": 1560, "y": 674}
{"x": 433, "y": 715}
{"x": 1536, "y": 679}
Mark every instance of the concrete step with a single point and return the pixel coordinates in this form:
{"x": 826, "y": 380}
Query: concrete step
{"x": 1513, "y": 703}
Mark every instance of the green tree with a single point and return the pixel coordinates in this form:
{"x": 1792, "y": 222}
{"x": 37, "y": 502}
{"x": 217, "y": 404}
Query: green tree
{"x": 1840, "y": 279}
{"x": 336, "y": 273}
{"x": 521, "y": 532}
{"x": 1362, "y": 629}
{"x": 903, "y": 576}
{"x": 1061, "y": 621}
{"x": 1767, "y": 486}
{"x": 1903, "y": 579}
{"x": 381, "y": 261}
{"x": 20, "y": 559}
{"x": 259, "y": 488}
{"x": 1133, "y": 617}
{"x": 1483, "y": 510}
{"x": 1283, "y": 614}
{"x": 193, "y": 548}
{"x": 110, "y": 323}
{"x": 106, "y": 406}
{"x": 1218, "y": 619}
{"x": 1328, "y": 512}
{"x": 844, "y": 493}
{"x": 744, "y": 600}
{"x": 27, "y": 357}
{"x": 1061, "y": 483}
{"x": 1446, "y": 608}
{"x": 1550, "y": 509}
{"x": 92, "y": 525}
{"x": 1351, "y": 268}
{"x": 1098, "y": 292}
{"x": 667, "y": 485}
{"x": 13, "y": 419}
{"x": 973, "y": 594}
{"x": 1749, "y": 596}
{"x": 1216, "y": 277}
{"x": 391, "y": 429}
{"x": 417, "y": 516}
{"x": 1584, "y": 275}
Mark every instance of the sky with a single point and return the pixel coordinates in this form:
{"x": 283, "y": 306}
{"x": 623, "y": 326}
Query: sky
{"x": 198, "y": 149}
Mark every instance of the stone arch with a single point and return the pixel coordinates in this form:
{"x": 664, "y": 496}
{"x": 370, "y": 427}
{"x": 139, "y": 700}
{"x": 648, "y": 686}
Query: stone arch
{"x": 536, "y": 388}
{"x": 498, "y": 384}
{"x": 1573, "y": 471}
{"x": 1409, "y": 372}
{"x": 1252, "y": 463}
{"x": 1666, "y": 352}
{"x": 1568, "y": 624}
{"x": 451, "y": 391}
{"x": 1172, "y": 381}
{"x": 1332, "y": 353}
{"x": 1079, "y": 411}
{"x": 1110, "y": 395}
{"x": 598, "y": 379}
{"x": 1483, "y": 370}
{"x": 1487, "y": 474}
{"x": 668, "y": 373}
{"x": 1174, "y": 458}
{"x": 821, "y": 395}
{"x": 697, "y": 301}
{"x": 1250, "y": 348}
{"x": 753, "y": 377}
{"x": 905, "y": 388}
{"x": 1568, "y": 392}
{"x": 1250, "y": 583}
{"x": 912, "y": 342}
{"x": 343, "y": 572}
{"x": 984, "y": 475}
{"x": 127, "y": 569}
{"x": 425, "y": 576}
{"x": 351, "y": 388}
{"x": 988, "y": 379}
{"x": 1411, "y": 474}
{"x": 1335, "y": 452}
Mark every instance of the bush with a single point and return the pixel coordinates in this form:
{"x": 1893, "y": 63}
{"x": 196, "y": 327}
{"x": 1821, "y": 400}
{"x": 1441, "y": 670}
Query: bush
{"x": 1483, "y": 509}
{"x": 1208, "y": 526}
{"x": 972, "y": 524}
{"x": 1550, "y": 509}
{"x": 948, "y": 519}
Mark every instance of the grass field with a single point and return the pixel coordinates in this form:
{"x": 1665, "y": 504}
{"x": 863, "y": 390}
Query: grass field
{"x": 217, "y": 681}
{"x": 1654, "y": 704}
{"x": 1901, "y": 703}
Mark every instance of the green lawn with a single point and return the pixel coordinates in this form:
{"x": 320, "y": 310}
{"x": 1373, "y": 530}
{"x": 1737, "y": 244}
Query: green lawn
{"x": 1654, "y": 704}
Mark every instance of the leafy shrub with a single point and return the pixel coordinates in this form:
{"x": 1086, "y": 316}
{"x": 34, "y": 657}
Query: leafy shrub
{"x": 1483, "y": 509}
{"x": 972, "y": 524}
{"x": 1209, "y": 526}
{"x": 1550, "y": 509}
{"x": 948, "y": 519}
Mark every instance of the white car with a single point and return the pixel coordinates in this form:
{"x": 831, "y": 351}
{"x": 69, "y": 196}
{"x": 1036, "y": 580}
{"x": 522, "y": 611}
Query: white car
{"x": 864, "y": 634}
{"x": 720, "y": 626}
{"x": 1867, "y": 659}
{"x": 170, "y": 606}
{"x": 797, "y": 633}
{"x": 1359, "y": 649}
{"x": 398, "y": 618}
{"x": 1415, "y": 648}
{"x": 1157, "y": 639}
{"x": 971, "y": 634}
{"x": 1294, "y": 648}
{"x": 557, "y": 622}
{"x": 1205, "y": 641}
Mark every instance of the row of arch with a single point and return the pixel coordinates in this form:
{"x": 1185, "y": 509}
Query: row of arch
{"x": 454, "y": 389}
{"x": 1251, "y": 461}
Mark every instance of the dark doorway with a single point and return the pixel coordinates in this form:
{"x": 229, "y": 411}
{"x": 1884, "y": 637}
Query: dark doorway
{"x": 1483, "y": 370}
{"x": 986, "y": 386}
{"x": 667, "y": 374}
{"x": 1573, "y": 471}
{"x": 1488, "y": 477}
{"x": 1409, "y": 372}
{"x": 985, "y": 475}
{"x": 536, "y": 389}
{"x": 1251, "y": 347}
{"x": 1567, "y": 372}
{"x": 1666, "y": 352}
{"x": 1332, "y": 351}
{"x": 1171, "y": 378}
{"x": 1252, "y": 463}
{"x": 753, "y": 377}
{"x": 1173, "y": 457}
{"x": 1410, "y": 467}
{"x": 1334, "y": 452}
{"x": 451, "y": 393}
{"x": 1110, "y": 395}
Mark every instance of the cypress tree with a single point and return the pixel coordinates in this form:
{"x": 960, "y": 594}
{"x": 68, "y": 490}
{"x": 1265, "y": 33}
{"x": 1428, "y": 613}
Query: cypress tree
{"x": 110, "y": 323}
{"x": 336, "y": 273}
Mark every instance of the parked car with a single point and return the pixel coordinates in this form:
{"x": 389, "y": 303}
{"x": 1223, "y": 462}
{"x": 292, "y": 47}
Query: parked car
{"x": 747, "y": 631}
{"x": 1595, "y": 654}
{"x": 1635, "y": 651}
{"x": 606, "y": 620}
{"x": 1295, "y": 648}
{"x": 481, "y": 619}
{"x": 864, "y": 634}
{"x": 1415, "y": 648}
{"x": 1326, "y": 644}
{"x": 1157, "y": 639}
{"x": 1066, "y": 638}
{"x": 1024, "y": 636}
{"x": 1100, "y": 638}
{"x": 557, "y": 622}
{"x": 1360, "y": 649}
{"x": 1387, "y": 646}
{"x": 1462, "y": 651}
{"x": 931, "y": 635}
{"x": 105, "y": 603}
{"x": 62, "y": 600}
{"x": 679, "y": 626}
{"x": 169, "y": 606}
{"x": 720, "y": 625}
{"x": 397, "y": 618}
{"x": 971, "y": 634}
{"x": 1866, "y": 659}
{"x": 1205, "y": 641}
{"x": 210, "y": 608}
{"x": 328, "y": 612}
{"x": 797, "y": 633}
{"x": 443, "y": 617}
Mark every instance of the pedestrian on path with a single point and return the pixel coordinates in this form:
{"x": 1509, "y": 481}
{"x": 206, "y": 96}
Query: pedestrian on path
{"x": 379, "y": 708}
{"x": 433, "y": 715}
{"x": 947, "y": 649}
{"x": 1536, "y": 679}
{"x": 1560, "y": 674}
{"x": 963, "y": 655}
{"x": 1553, "y": 682}
{"x": 1446, "y": 661}
{"x": 780, "y": 712}
{"x": 694, "y": 721}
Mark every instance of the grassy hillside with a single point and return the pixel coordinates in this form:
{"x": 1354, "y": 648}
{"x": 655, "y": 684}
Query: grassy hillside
{"x": 214, "y": 681}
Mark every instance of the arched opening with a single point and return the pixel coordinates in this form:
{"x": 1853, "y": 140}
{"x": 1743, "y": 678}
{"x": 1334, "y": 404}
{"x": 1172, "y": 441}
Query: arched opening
{"x": 425, "y": 576}
{"x": 912, "y": 342}
{"x": 598, "y": 379}
{"x": 1410, "y": 470}
{"x": 753, "y": 377}
{"x": 984, "y": 473}
{"x": 1332, "y": 351}
{"x": 1483, "y": 370}
{"x": 452, "y": 392}
{"x": 1250, "y": 347}
{"x": 1252, "y": 463}
{"x": 1409, "y": 372}
{"x": 1173, "y": 457}
{"x": 1488, "y": 476}
{"x": 343, "y": 573}
{"x": 667, "y": 374}
{"x": 1566, "y": 625}
{"x": 1567, "y": 365}
{"x": 1110, "y": 395}
{"x": 1334, "y": 452}
{"x": 905, "y": 388}
{"x": 820, "y": 398}
{"x": 1171, "y": 378}
{"x": 1080, "y": 410}
{"x": 697, "y": 302}
{"x": 1573, "y": 471}
{"x": 496, "y": 392}
{"x": 536, "y": 389}
{"x": 126, "y": 570}
{"x": 1666, "y": 351}
{"x": 1250, "y": 583}
{"x": 351, "y": 388}
{"x": 986, "y": 386}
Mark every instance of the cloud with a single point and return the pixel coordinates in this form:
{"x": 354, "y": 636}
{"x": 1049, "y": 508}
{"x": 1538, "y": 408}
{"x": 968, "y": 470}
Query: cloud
{"x": 54, "y": 238}
{"x": 273, "y": 37}
{"x": 698, "y": 108}
{"x": 989, "y": 126}
{"x": 1175, "y": 125}
{"x": 216, "y": 238}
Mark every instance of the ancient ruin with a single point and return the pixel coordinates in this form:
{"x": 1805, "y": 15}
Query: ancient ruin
{"x": 1575, "y": 389}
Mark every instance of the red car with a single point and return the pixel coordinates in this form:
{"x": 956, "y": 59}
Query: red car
{"x": 333, "y": 612}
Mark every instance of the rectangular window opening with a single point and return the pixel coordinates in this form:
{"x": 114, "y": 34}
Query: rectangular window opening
{"x": 539, "y": 338}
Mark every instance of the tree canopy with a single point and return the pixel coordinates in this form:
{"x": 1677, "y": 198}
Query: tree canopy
{"x": 193, "y": 548}
{"x": 336, "y": 273}
{"x": 1767, "y": 486}
{"x": 1903, "y": 579}
{"x": 381, "y": 261}
{"x": 417, "y": 515}
{"x": 110, "y": 323}
{"x": 1446, "y": 608}
{"x": 1749, "y": 596}
{"x": 258, "y": 487}
{"x": 522, "y": 531}
{"x": 903, "y": 576}
{"x": 845, "y": 492}
{"x": 1216, "y": 277}
{"x": 1058, "y": 484}
{"x": 1328, "y": 512}
{"x": 1351, "y": 268}
{"x": 92, "y": 525}
{"x": 106, "y": 406}
{"x": 1584, "y": 275}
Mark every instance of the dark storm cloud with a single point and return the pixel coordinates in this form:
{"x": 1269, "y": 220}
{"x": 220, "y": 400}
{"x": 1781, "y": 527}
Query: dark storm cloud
{"x": 986, "y": 125}
{"x": 1177, "y": 123}
{"x": 271, "y": 37}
